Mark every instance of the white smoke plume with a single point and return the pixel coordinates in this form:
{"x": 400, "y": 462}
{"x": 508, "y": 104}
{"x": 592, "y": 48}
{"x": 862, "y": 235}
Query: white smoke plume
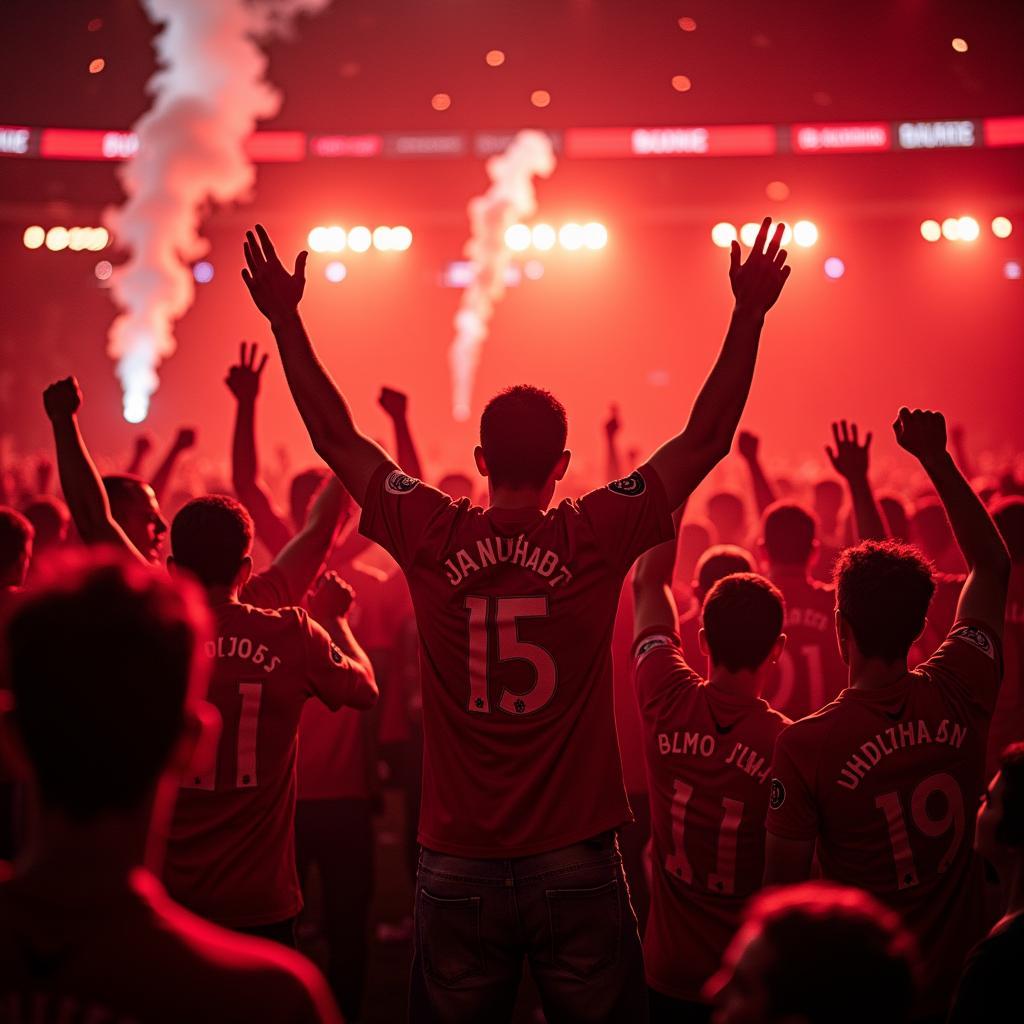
{"x": 208, "y": 93}
{"x": 509, "y": 199}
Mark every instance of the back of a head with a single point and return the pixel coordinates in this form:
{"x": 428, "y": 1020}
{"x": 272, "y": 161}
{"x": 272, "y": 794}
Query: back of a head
{"x": 828, "y": 498}
{"x": 930, "y": 527}
{"x": 727, "y": 512}
{"x": 695, "y": 537}
{"x": 897, "y": 515}
{"x": 50, "y": 518}
{"x": 522, "y": 433}
{"x": 835, "y": 955}
{"x": 718, "y": 561}
{"x": 883, "y": 589}
{"x": 210, "y": 537}
{"x": 16, "y": 535}
{"x": 742, "y": 617}
{"x": 301, "y": 490}
{"x": 103, "y": 659}
{"x": 1009, "y": 516}
{"x": 789, "y": 531}
{"x": 456, "y": 486}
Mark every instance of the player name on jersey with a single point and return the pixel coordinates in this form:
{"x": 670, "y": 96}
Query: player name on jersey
{"x": 513, "y": 551}
{"x": 905, "y": 734}
{"x": 698, "y": 744}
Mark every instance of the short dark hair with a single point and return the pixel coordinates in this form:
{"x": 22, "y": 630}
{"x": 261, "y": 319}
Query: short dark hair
{"x": 721, "y": 560}
{"x": 49, "y": 516}
{"x": 16, "y": 534}
{"x": 103, "y": 656}
{"x": 1009, "y": 516}
{"x": 522, "y": 434}
{"x": 789, "y": 530}
{"x": 742, "y": 617}
{"x": 726, "y": 505}
{"x": 836, "y": 955}
{"x": 210, "y": 536}
{"x": 883, "y": 590}
{"x": 122, "y": 486}
{"x": 301, "y": 492}
{"x": 1010, "y": 830}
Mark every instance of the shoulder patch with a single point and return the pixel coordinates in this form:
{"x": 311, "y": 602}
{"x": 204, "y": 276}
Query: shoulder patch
{"x": 398, "y": 483}
{"x": 629, "y": 486}
{"x": 976, "y": 638}
{"x": 651, "y": 644}
{"x": 336, "y": 656}
{"x": 776, "y": 795}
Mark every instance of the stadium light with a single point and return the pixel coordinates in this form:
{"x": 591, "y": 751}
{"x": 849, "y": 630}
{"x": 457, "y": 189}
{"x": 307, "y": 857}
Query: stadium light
{"x": 805, "y": 233}
{"x": 517, "y": 237}
{"x": 951, "y": 229}
{"x": 931, "y": 230}
{"x": 723, "y": 234}
{"x": 595, "y": 235}
{"x": 571, "y": 236}
{"x": 544, "y": 237}
{"x": 1002, "y": 227}
{"x": 969, "y": 229}
{"x": 359, "y": 239}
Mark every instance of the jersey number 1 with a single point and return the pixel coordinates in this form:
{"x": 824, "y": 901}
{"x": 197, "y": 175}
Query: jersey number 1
{"x": 245, "y": 759}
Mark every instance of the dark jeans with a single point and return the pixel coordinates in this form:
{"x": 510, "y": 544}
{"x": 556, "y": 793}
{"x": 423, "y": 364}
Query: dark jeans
{"x": 566, "y": 912}
{"x": 337, "y": 836}
{"x": 282, "y": 932}
{"x": 668, "y": 1010}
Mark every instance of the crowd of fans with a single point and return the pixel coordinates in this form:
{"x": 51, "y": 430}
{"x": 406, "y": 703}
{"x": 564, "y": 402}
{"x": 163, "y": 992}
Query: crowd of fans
{"x": 723, "y": 790}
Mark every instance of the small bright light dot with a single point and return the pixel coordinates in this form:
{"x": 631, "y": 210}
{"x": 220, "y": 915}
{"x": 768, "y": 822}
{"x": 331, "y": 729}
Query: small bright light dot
{"x": 317, "y": 238}
{"x": 960, "y": 45}
{"x": 97, "y": 65}
{"x": 103, "y": 270}
{"x": 401, "y": 238}
{"x": 79, "y": 238}
{"x": 441, "y": 101}
{"x": 969, "y": 229}
{"x": 543, "y": 237}
{"x": 382, "y": 239}
{"x": 359, "y": 239}
{"x": 681, "y": 83}
{"x": 335, "y": 271}
{"x": 203, "y": 272}
{"x": 57, "y": 239}
{"x": 805, "y": 233}
{"x": 33, "y": 237}
{"x": 595, "y": 235}
{"x": 930, "y": 230}
{"x": 533, "y": 269}
{"x": 334, "y": 239}
{"x": 1002, "y": 227}
{"x": 495, "y": 58}
{"x": 570, "y": 236}
{"x": 540, "y": 97}
{"x": 1012, "y": 270}
{"x": 834, "y": 268}
{"x": 723, "y": 234}
{"x": 748, "y": 233}
{"x": 688, "y": 24}
{"x": 100, "y": 239}
{"x": 951, "y": 229}
{"x": 777, "y": 190}
{"x": 95, "y": 25}
{"x": 517, "y": 237}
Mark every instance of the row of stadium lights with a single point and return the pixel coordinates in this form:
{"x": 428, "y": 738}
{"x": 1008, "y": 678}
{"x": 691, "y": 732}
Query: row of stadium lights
{"x": 56, "y": 239}
{"x": 542, "y": 237}
{"x": 963, "y": 229}
{"x": 803, "y": 232}
{"x": 333, "y": 238}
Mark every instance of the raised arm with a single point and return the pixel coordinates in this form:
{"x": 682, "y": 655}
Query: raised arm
{"x": 302, "y": 558}
{"x": 850, "y": 460}
{"x": 396, "y": 405}
{"x": 183, "y": 441}
{"x": 687, "y": 458}
{"x": 653, "y": 601}
{"x": 329, "y": 605}
{"x": 748, "y": 445}
{"x": 612, "y": 458}
{"x": 79, "y": 479}
{"x": 143, "y": 446}
{"x": 353, "y": 456}
{"x": 243, "y": 381}
{"x": 983, "y": 597}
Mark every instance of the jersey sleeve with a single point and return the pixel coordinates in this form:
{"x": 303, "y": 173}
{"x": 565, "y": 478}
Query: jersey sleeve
{"x": 628, "y": 516}
{"x": 792, "y": 808}
{"x": 399, "y": 510}
{"x": 660, "y": 671}
{"x": 267, "y": 590}
{"x": 332, "y": 676}
{"x": 969, "y": 665}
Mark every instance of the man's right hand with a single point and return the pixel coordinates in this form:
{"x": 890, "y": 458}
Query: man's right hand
{"x": 62, "y": 399}
{"x": 243, "y": 380}
{"x": 921, "y": 432}
{"x": 850, "y": 457}
{"x": 275, "y": 291}
{"x": 393, "y": 402}
{"x": 332, "y": 598}
{"x": 613, "y": 424}
{"x": 757, "y": 283}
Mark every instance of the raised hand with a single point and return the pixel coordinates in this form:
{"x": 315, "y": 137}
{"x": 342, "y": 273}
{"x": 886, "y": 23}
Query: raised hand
{"x": 143, "y": 445}
{"x": 185, "y": 439}
{"x": 613, "y": 424}
{"x": 62, "y": 398}
{"x": 332, "y": 598}
{"x": 393, "y": 402}
{"x": 747, "y": 444}
{"x": 850, "y": 457}
{"x": 757, "y": 283}
{"x": 243, "y": 380}
{"x": 921, "y": 432}
{"x": 275, "y": 291}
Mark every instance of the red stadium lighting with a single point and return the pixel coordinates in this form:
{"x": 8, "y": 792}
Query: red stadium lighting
{"x": 931, "y": 230}
{"x": 968, "y": 229}
{"x": 34, "y": 237}
{"x": 544, "y": 237}
{"x": 748, "y": 233}
{"x": 805, "y": 233}
{"x": 571, "y": 236}
{"x": 723, "y": 234}
{"x": 595, "y": 235}
{"x": 359, "y": 239}
{"x": 951, "y": 229}
{"x": 1002, "y": 227}
{"x": 401, "y": 238}
{"x": 517, "y": 237}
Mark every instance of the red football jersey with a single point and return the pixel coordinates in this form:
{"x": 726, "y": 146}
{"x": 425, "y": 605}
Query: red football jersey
{"x": 708, "y": 763}
{"x": 123, "y": 954}
{"x": 889, "y": 781}
{"x": 515, "y": 610}
{"x": 810, "y": 673}
{"x": 231, "y": 855}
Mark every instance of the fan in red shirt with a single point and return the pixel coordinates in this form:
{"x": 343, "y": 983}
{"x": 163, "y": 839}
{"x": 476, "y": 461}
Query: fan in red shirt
{"x": 231, "y": 853}
{"x": 515, "y": 605}
{"x": 86, "y": 931}
{"x": 887, "y": 779}
{"x": 708, "y": 747}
